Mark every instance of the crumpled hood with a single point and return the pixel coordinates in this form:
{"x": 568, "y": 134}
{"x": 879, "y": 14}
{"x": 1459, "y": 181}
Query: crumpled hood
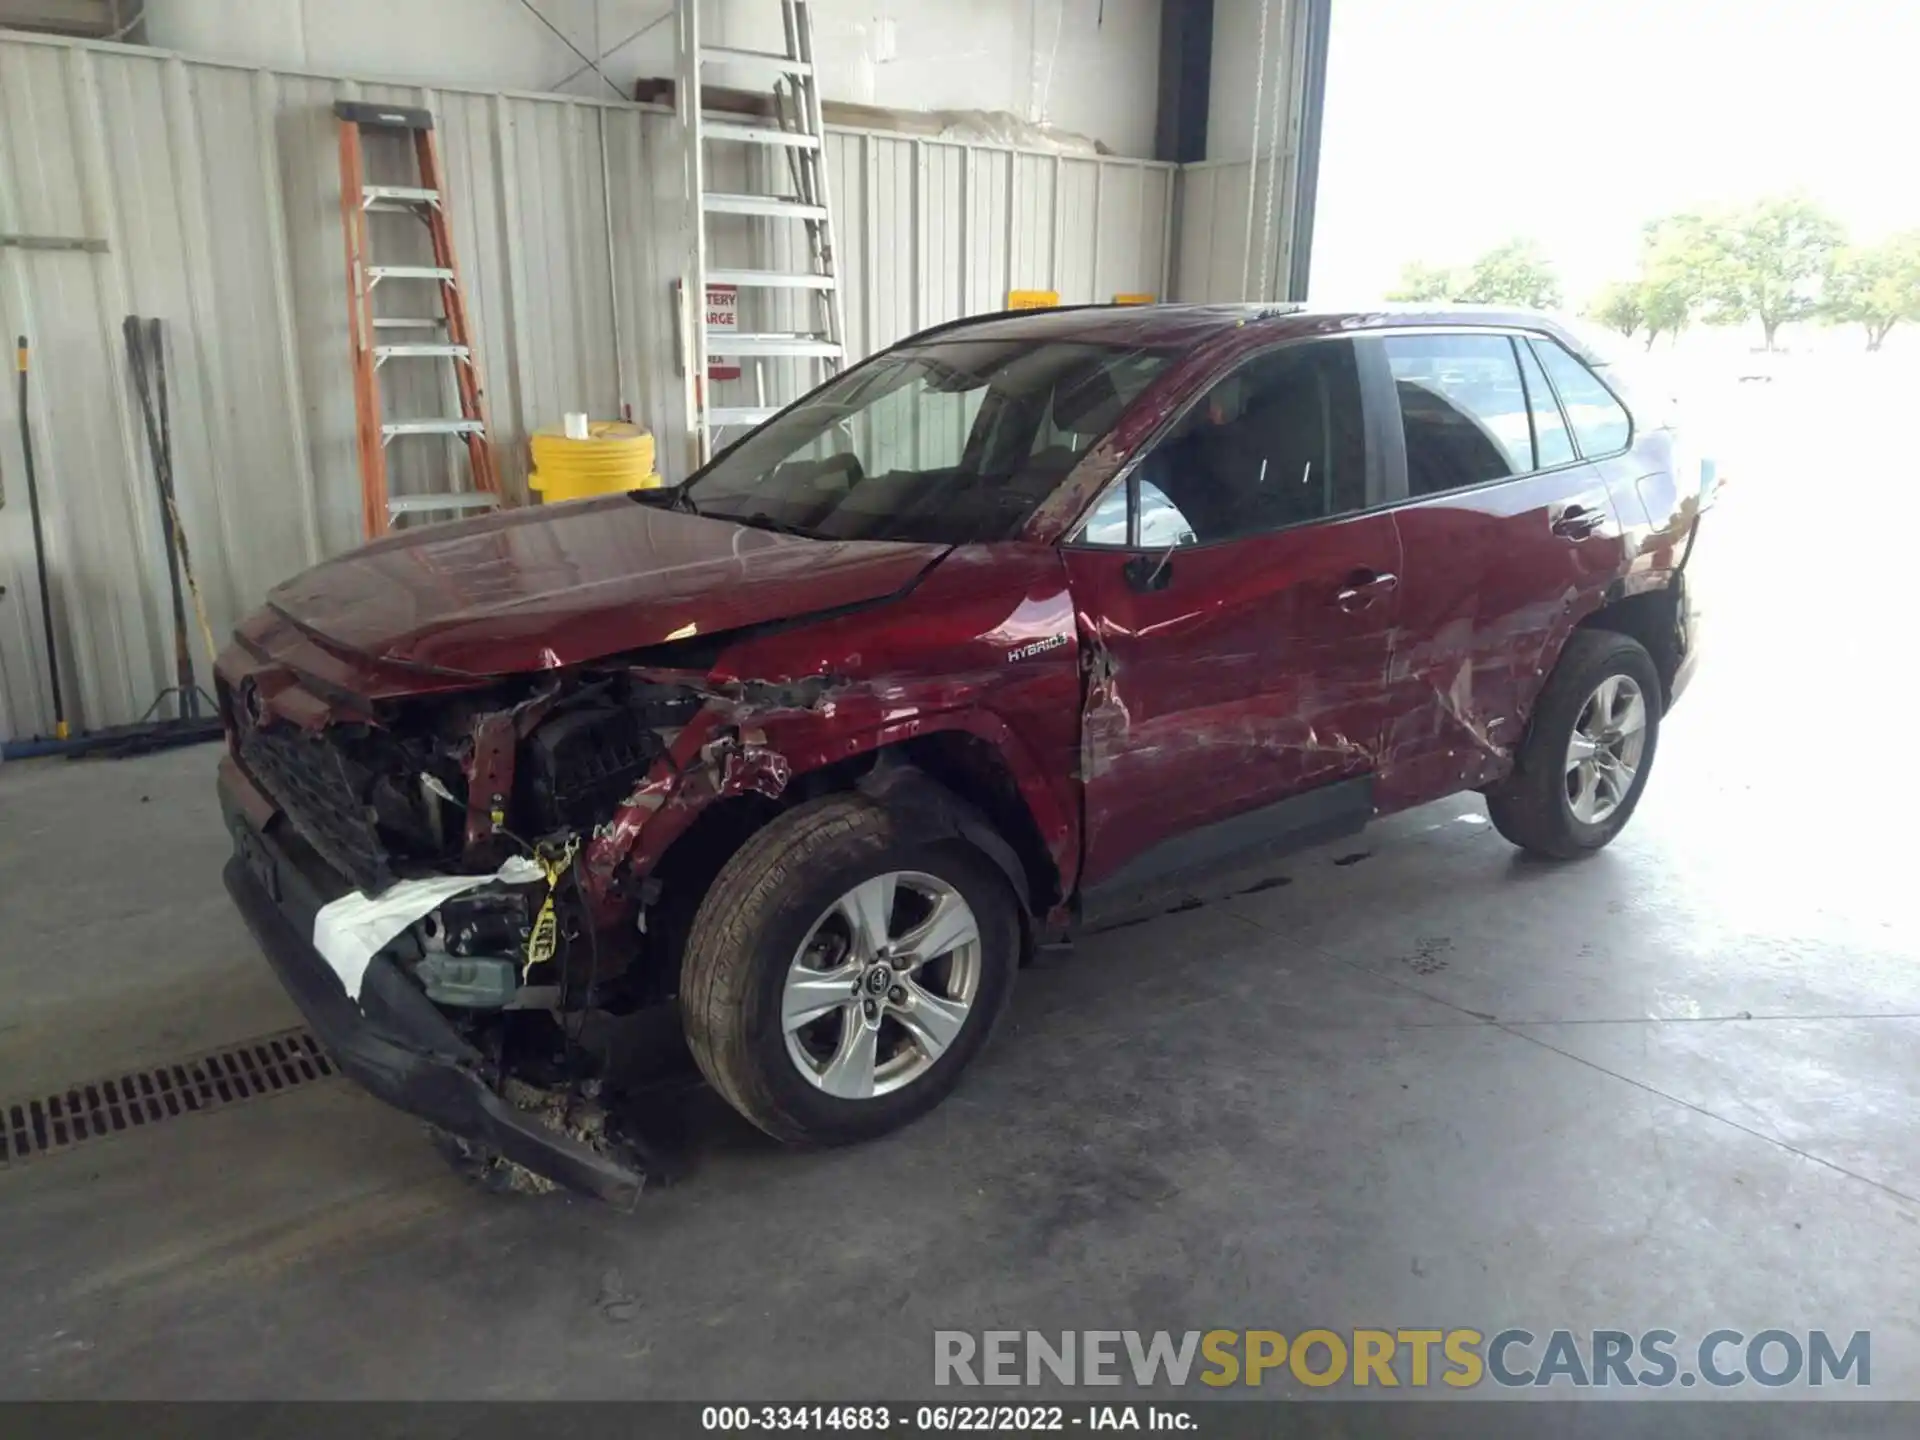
{"x": 549, "y": 586}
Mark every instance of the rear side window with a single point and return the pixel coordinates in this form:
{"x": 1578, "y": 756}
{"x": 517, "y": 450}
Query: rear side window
{"x": 1599, "y": 421}
{"x": 1464, "y": 409}
{"x": 1551, "y": 442}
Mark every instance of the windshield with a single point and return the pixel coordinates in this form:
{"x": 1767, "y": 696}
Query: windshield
{"x": 950, "y": 442}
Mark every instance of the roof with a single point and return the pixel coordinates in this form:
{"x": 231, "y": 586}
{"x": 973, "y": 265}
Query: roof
{"x": 1181, "y": 326}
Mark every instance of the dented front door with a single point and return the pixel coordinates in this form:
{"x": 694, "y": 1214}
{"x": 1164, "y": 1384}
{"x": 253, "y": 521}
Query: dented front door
{"x": 1245, "y": 673}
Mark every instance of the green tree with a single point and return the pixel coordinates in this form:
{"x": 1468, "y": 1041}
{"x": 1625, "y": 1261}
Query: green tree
{"x": 1619, "y": 307}
{"x": 1877, "y": 286}
{"x": 1769, "y": 262}
{"x": 1420, "y": 283}
{"x": 1678, "y": 263}
{"x": 1516, "y": 273}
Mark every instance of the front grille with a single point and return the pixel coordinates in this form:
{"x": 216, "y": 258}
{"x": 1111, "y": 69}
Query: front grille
{"x": 308, "y": 776}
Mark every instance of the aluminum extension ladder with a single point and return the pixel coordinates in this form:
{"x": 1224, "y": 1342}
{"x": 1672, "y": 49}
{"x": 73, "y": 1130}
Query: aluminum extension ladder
{"x": 808, "y": 295}
{"x": 449, "y": 341}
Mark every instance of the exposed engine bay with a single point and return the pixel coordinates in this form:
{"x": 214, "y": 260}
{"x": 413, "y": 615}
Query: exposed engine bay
{"x": 548, "y": 795}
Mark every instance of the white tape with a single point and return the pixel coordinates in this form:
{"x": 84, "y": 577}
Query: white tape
{"x": 350, "y": 931}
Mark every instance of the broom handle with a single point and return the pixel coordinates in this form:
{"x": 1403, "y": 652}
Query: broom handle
{"x": 39, "y": 548}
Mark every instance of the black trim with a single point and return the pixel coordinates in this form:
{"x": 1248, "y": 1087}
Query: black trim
{"x": 383, "y": 117}
{"x": 1526, "y": 398}
{"x": 925, "y": 810}
{"x": 1306, "y": 185}
{"x": 1386, "y": 430}
{"x": 1327, "y": 812}
{"x": 1186, "y": 64}
{"x": 1566, "y": 420}
{"x": 394, "y": 1043}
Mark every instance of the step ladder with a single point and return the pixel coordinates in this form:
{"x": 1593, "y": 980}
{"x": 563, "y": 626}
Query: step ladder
{"x": 785, "y": 140}
{"x": 443, "y": 340}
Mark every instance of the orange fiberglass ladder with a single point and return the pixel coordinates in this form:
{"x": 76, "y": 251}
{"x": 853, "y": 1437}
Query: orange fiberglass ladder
{"x": 452, "y": 343}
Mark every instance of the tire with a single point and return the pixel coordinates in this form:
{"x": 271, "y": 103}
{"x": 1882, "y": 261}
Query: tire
{"x": 1533, "y": 806}
{"x": 786, "y": 888}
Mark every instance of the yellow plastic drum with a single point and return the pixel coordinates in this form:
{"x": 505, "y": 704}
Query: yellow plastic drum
{"x": 615, "y": 456}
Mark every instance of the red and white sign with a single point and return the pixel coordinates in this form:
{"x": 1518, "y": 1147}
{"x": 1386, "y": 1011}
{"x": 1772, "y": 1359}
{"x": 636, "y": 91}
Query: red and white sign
{"x": 723, "y": 313}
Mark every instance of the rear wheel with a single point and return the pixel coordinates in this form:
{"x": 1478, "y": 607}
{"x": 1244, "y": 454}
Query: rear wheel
{"x": 838, "y": 979}
{"x": 1585, "y": 760}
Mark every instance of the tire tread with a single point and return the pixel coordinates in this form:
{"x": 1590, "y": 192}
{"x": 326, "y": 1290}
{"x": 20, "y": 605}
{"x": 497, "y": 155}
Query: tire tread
{"x": 716, "y": 973}
{"x": 1528, "y": 807}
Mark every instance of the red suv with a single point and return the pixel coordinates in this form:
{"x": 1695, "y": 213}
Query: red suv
{"x": 1030, "y": 623}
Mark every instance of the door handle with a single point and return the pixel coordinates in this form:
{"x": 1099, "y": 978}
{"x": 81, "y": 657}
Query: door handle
{"x": 1577, "y": 522}
{"x": 1363, "y": 587}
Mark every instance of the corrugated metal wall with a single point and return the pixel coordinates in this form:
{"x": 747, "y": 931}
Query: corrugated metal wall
{"x": 1210, "y": 217}
{"x": 216, "y": 190}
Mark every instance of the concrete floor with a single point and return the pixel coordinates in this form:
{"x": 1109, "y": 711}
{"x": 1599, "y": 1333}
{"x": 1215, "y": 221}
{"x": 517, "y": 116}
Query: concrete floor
{"x": 1669, "y": 1086}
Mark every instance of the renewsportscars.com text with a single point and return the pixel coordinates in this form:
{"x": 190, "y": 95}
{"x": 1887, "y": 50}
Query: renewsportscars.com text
{"x": 1459, "y": 1359}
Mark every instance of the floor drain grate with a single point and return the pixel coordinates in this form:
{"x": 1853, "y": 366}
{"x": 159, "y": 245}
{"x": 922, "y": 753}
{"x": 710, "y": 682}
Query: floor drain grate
{"x": 144, "y": 1098}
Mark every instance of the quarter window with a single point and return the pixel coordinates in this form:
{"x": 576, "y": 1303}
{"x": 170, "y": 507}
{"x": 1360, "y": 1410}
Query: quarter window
{"x": 1279, "y": 442}
{"x": 1464, "y": 410}
{"x": 1599, "y": 421}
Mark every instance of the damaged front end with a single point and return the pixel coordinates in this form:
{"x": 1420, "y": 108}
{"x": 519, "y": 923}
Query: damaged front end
{"x": 455, "y": 888}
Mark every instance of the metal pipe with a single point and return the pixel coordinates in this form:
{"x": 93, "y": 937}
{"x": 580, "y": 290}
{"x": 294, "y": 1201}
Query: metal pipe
{"x": 613, "y": 276}
{"x": 1273, "y": 164}
{"x": 40, "y": 548}
{"x": 1253, "y": 150}
{"x": 1306, "y": 185}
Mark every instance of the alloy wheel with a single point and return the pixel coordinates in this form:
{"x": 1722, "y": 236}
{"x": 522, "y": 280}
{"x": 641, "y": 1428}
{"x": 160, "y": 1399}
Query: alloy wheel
{"x": 1604, "y": 754}
{"x": 882, "y": 985}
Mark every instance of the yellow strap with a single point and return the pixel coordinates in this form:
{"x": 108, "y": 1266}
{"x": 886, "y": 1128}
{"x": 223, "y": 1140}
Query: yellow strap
{"x": 543, "y": 941}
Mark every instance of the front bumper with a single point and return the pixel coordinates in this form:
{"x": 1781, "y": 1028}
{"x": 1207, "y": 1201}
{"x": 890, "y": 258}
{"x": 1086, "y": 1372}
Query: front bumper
{"x": 394, "y": 1042}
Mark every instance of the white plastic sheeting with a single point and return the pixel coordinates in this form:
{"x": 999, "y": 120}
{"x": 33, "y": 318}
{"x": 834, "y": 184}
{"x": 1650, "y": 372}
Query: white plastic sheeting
{"x": 216, "y": 190}
{"x": 350, "y": 931}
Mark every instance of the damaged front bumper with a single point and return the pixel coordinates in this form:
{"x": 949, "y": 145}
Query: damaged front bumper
{"x": 393, "y": 1042}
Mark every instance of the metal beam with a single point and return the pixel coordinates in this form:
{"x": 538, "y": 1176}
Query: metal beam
{"x": 52, "y": 242}
{"x": 89, "y": 19}
{"x": 1313, "y": 104}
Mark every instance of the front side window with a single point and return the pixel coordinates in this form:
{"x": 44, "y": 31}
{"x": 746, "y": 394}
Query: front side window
{"x": 1464, "y": 409}
{"x": 953, "y": 441}
{"x": 1599, "y": 421}
{"x": 1278, "y": 442}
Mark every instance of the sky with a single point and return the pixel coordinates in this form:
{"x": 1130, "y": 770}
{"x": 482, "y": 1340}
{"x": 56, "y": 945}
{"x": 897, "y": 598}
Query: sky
{"x": 1455, "y": 125}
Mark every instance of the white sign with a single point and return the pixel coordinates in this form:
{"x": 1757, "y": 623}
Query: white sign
{"x": 723, "y": 313}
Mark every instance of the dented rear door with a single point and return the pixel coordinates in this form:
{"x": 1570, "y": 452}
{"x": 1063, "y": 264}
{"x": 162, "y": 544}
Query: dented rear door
{"x": 1509, "y": 540}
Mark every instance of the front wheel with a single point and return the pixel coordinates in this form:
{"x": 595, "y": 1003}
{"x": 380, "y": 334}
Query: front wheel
{"x": 838, "y": 979}
{"x": 1585, "y": 760}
